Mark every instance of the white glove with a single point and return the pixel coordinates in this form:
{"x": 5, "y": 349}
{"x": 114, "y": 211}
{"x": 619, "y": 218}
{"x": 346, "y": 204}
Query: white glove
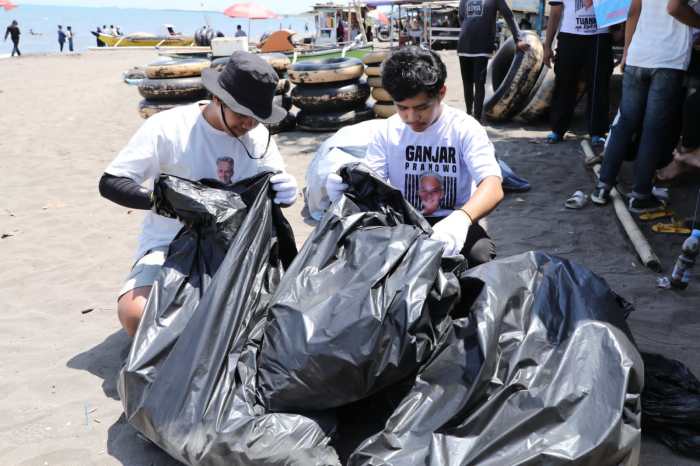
{"x": 335, "y": 187}
{"x": 452, "y": 231}
{"x": 285, "y": 187}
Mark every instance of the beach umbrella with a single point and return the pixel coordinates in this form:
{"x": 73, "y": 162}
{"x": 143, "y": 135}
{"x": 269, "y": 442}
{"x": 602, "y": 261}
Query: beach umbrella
{"x": 250, "y": 11}
{"x": 7, "y": 5}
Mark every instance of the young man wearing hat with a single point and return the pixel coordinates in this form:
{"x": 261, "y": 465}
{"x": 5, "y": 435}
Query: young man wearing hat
{"x": 427, "y": 139}
{"x": 190, "y": 141}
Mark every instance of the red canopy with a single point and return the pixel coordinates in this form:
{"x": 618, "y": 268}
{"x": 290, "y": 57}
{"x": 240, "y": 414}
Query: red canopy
{"x": 248, "y": 10}
{"x": 7, "y": 5}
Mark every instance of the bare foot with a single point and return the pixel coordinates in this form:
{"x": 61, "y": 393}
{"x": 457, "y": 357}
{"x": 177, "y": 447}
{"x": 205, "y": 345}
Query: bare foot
{"x": 671, "y": 171}
{"x": 690, "y": 158}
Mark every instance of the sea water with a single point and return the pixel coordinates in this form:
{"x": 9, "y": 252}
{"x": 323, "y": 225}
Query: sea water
{"x": 39, "y": 23}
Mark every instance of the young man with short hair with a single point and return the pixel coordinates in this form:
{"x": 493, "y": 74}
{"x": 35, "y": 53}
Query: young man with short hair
{"x": 191, "y": 142}
{"x": 428, "y": 136}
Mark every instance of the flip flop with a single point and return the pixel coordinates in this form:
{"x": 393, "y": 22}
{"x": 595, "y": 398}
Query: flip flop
{"x": 670, "y": 228}
{"x": 656, "y": 215}
{"x": 576, "y": 201}
{"x": 553, "y": 138}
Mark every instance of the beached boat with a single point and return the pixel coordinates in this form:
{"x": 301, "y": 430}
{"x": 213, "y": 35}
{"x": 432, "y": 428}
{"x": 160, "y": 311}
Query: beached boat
{"x": 145, "y": 39}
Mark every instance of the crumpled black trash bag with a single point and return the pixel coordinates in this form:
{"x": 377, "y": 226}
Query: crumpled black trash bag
{"x": 542, "y": 370}
{"x": 358, "y": 309}
{"x": 189, "y": 382}
{"x": 671, "y": 404}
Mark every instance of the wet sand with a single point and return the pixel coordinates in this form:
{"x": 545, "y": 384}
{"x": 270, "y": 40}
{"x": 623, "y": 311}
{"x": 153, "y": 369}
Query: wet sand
{"x": 67, "y": 251}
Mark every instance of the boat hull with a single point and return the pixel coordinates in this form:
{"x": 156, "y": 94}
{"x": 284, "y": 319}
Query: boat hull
{"x": 145, "y": 41}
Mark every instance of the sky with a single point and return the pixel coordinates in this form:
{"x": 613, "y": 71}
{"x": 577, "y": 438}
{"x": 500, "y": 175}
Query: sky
{"x": 286, "y": 7}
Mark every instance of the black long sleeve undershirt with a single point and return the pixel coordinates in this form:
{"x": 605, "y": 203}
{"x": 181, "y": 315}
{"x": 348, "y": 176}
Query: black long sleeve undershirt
{"x": 125, "y": 192}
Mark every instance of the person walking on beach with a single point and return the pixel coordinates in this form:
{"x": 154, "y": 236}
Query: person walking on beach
{"x": 583, "y": 51}
{"x": 192, "y": 141}
{"x": 477, "y": 20}
{"x": 69, "y": 36}
{"x": 61, "y": 38}
{"x": 440, "y": 158}
{"x": 14, "y": 33}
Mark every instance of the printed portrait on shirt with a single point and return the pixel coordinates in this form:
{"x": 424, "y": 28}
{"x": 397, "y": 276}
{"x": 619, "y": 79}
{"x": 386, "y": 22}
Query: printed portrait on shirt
{"x": 431, "y": 192}
{"x": 224, "y": 169}
{"x": 426, "y": 167}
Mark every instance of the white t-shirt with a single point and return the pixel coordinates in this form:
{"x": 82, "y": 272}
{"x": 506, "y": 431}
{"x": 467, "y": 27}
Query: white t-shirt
{"x": 181, "y": 142}
{"x": 660, "y": 40}
{"x": 455, "y": 147}
{"x": 577, "y": 18}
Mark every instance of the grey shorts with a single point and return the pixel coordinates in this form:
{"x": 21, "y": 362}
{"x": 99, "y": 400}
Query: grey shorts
{"x": 145, "y": 270}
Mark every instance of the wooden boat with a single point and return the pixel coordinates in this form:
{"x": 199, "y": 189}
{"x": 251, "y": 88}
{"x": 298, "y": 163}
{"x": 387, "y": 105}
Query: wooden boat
{"x": 145, "y": 39}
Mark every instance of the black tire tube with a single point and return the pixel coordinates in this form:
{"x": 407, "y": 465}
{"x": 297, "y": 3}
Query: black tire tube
{"x": 148, "y": 108}
{"x": 279, "y": 61}
{"x": 373, "y": 71}
{"x": 384, "y": 109}
{"x": 288, "y": 123}
{"x": 331, "y": 97}
{"x": 376, "y": 57}
{"x": 514, "y": 74}
{"x": 325, "y": 71}
{"x": 375, "y": 81}
{"x": 332, "y": 121}
{"x": 537, "y": 103}
{"x": 381, "y": 94}
{"x": 173, "y": 89}
{"x": 186, "y": 68}
{"x": 283, "y": 100}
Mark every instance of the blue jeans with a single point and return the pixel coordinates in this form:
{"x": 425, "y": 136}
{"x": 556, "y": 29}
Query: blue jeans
{"x": 650, "y": 102}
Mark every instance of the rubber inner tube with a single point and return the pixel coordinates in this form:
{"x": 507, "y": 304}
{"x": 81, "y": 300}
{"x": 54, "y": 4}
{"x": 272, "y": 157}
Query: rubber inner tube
{"x": 279, "y": 61}
{"x": 511, "y": 76}
{"x": 540, "y": 97}
{"x": 380, "y": 94}
{"x": 177, "y": 68}
{"x": 384, "y": 109}
{"x": 325, "y": 71}
{"x": 376, "y": 57}
{"x": 331, "y": 97}
{"x": 173, "y": 89}
{"x": 148, "y": 108}
{"x": 374, "y": 81}
{"x": 373, "y": 71}
{"x": 332, "y": 121}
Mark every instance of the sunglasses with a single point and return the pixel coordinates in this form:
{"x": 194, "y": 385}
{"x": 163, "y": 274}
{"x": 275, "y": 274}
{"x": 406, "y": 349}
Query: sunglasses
{"x": 223, "y": 118}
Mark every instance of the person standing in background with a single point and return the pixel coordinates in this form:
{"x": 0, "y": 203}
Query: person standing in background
{"x": 61, "y": 38}
{"x": 69, "y": 36}
{"x": 477, "y": 19}
{"x": 14, "y": 33}
{"x": 584, "y": 51}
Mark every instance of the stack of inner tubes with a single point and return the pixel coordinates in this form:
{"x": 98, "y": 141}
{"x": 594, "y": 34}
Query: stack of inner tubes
{"x": 280, "y": 62}
{"x": 171, "y": 83}
{"x": 384, "y": 104}
{"x": 330, "y": 93}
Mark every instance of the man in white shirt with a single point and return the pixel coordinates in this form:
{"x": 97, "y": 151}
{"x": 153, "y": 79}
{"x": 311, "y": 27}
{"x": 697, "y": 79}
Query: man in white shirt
{"x": 584, "y": 52}
{"x": 656, "y": 55}
{"x": 429, "y": 146}
{"x": 191, "y": 142}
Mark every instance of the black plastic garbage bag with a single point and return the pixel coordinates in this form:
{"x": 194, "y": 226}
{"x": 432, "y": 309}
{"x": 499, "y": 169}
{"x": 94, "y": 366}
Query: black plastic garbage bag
{"x": 189, "y": 382}
{"x": 671, "y": 404}
{"x": 359, "y": 308}
{"x": 541, "y": 371}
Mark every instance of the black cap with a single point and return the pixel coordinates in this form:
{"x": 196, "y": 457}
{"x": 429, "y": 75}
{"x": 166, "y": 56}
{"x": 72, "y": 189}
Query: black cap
{"x": 247, "y": 86}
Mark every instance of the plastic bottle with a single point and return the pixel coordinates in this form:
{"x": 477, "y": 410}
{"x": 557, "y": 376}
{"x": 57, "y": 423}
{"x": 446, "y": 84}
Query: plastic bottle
{"x": 681, "y": 271}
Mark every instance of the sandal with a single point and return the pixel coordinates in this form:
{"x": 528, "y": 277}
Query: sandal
{"x": 670, "y": 228}
{"x": 576, "y": 201}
